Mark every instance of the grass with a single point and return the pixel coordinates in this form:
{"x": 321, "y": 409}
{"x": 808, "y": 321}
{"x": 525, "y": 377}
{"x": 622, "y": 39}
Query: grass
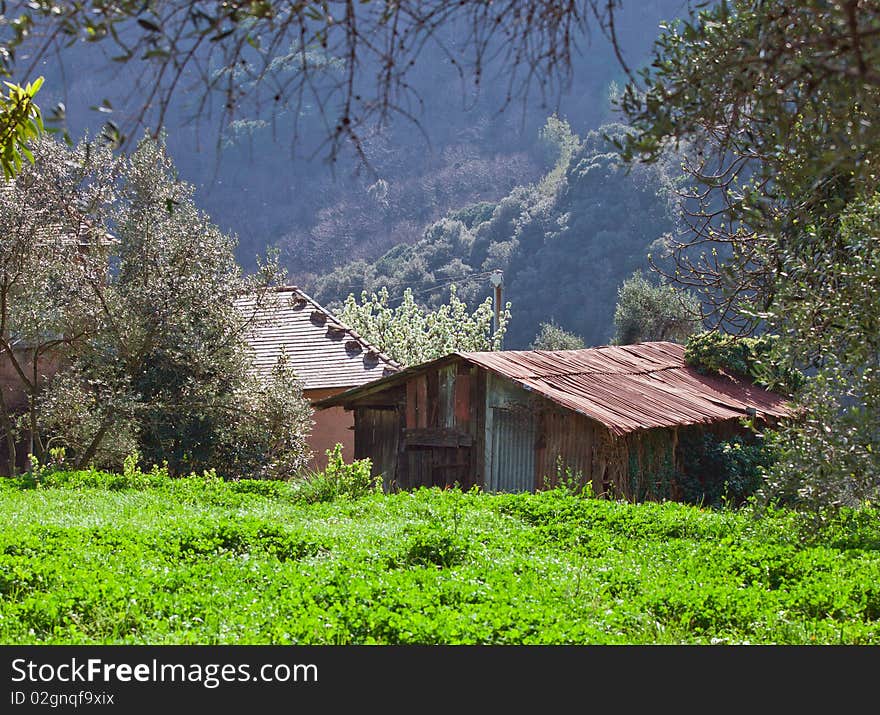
{"x": 89, "y": 558}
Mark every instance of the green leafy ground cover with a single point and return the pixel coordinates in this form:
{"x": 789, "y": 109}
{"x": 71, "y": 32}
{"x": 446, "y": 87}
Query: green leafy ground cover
{"x": 94, "y": 558}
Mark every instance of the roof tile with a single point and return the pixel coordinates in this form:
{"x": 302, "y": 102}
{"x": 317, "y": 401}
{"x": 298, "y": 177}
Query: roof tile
{"x": 321, "y": 349}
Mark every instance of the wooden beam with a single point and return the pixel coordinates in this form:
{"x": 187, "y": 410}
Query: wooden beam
{"x": 437, "y": 438}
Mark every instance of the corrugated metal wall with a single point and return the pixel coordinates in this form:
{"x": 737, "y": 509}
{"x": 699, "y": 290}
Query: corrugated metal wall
{"x": 511, "y": 432}
{"x": 513, "y": 451}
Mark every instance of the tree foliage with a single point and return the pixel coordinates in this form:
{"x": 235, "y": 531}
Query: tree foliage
{"x": 646, "y": 311}
{"x": 551, "y": 336}
{"x": 21, "y": 122}
{"x": 264, "y": 435}
{"x": 133, "y": 340}
{"x": 564, "y": 243}
{"x": 832, "y": 456}
{"x": 411, "y": 334}
{"x": 52, "y": 251}
{"x": 776, "y": 102}
{"x": 171, "y": 316}
{"x": 759, "y": 359}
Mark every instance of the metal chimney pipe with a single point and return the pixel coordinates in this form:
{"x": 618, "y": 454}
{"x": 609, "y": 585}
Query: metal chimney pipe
{"x": 497, "y": 278}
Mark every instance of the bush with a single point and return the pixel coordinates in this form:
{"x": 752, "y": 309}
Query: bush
{"x": 716, "y": 472}
{"x": 646, "y": 311}
{"x": 267, "y": 437}
{"x": 339, "y": 480}
{"x": 552, "y": 336}
{"x": 428, "y": 545}
{"x": 754, "y": 358}
{"x": 568, "y": 481}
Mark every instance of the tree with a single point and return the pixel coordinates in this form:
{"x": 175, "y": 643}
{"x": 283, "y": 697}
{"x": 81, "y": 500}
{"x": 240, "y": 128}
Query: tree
{"x": 777, "y": 104}
{"x": 54, "y": 248}
{"x": 831, "y": 456}
{"x": 552, "y": 336}
{"x": 21, "y": 122}
{"x": 350, "y": 60}
{"x": 148, "y": 345}
{"x": 559, "y": 144}
{"x": 411, "y": 334}
{"x": 646, "y": 311}
{"x": 174, "y": 327}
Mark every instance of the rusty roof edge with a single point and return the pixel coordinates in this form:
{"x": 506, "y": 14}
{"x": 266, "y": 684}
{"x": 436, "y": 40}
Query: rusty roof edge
{"x": 787, "y": 404}
{"x": 621, "y": 431}
{"x": 382, "y": 382}
{"x": 531, "y": 388}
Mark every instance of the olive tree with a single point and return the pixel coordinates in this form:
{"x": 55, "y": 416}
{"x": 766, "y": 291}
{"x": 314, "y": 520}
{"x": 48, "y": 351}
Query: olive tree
{"x": 649, "y": 311}
{"x": 552, "y": 336}
{"x": 54, "y": 249}
{"x": 777, "y": 104}
{"x": 133, "y": 341}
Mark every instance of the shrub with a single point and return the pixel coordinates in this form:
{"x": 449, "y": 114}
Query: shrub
{"x": 339, "y": 480}
{"x": 569, "y": 481}
{"x": 646, "y": 311}
{"x": 552, "y": 336}
{"x": 754, "y": 358}
{"x": 716, "y": 471}
{"x": 429, "y": 545}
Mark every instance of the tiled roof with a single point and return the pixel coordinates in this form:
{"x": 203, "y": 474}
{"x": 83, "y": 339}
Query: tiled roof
{"x": 624, "y": 387}
{"x": 321, "y": 350}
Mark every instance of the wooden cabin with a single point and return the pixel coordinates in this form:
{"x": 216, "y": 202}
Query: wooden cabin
{"x": 514, "y": 421}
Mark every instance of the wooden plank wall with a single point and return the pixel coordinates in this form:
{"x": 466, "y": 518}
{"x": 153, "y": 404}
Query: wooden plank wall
{"x": 377, "y": 432}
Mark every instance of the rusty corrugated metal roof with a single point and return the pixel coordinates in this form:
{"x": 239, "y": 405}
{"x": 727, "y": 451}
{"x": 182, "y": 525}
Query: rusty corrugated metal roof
{"x": 321, "y": 350}
{"x": 632, "y": 387}
{"x": 624, "y": 387}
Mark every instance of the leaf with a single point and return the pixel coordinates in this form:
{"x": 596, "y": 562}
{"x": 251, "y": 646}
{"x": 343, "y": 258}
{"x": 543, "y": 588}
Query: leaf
{"x": 148, "y": 25}
{"x": 220, "y": 35}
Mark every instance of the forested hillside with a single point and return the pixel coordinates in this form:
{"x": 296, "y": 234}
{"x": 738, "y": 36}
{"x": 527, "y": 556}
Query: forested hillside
{"x": 565, "y": 243}
{"x": 273, "y": 191}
